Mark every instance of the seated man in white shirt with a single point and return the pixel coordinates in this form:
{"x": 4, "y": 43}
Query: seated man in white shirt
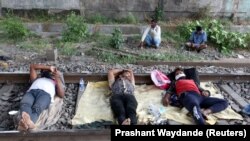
{"x": 151, "y": 36}
{"x": 40, "y": 94}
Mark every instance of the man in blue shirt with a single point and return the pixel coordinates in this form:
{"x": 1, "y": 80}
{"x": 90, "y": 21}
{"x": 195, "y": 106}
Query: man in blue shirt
{"x": 197, "y": 40}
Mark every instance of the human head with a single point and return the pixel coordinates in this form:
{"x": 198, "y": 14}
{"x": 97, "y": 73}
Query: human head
{"x": 179, "y": 73}
{"x": 125, "y": 74}
{"x": 46, "y": 74}
{"x": 153, "y": 23}
{"x": 198, "y": 29}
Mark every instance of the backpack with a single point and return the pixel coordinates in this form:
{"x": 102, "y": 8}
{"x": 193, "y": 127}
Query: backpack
{"x": 160, "y": 80}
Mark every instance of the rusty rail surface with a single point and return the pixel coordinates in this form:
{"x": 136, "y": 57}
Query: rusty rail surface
{"x": 68, "y": 135}
{"x": 140, "y": 78}
{"x": 228, "y": 64}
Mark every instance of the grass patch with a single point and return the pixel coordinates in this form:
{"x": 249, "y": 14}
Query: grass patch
{"x": 97, "y": 19}
{"x": 109, "y": 57}
{"x": 130, "y": 19}
{"x": 176, "y": 56}
{"x": 102, "y": 41}
{"x": 37, "y": 45}
{"x": 66, "y": 48}
{"x": 174, "y": 38}
{"x": 101, "y": 19}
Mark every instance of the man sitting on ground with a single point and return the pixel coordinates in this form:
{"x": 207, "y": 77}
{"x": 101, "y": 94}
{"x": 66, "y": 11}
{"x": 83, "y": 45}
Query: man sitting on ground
{"x": 151, "y": 36}
{"x": 193, "y": 97}
{"x": 40, "y": 94}
{"x": 123, "y": 102}
{"x": 197, "y": 40}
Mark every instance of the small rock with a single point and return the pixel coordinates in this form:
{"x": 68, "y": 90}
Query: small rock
{"x": 248, "y": 119}
{"x": 244, "y": 123}
{"x": 235, "y": 107}
{"x": 172, "y": 122}
{"x": 4, "y": 65}
{"x": 233, "y": 122}
{"x": 222, "y": 122}
{"x": 240, "y": 56}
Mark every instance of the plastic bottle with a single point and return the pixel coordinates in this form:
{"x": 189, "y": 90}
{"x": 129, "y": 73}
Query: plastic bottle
{"x": 153, "y": 110}
{"x": 81, "y": 85}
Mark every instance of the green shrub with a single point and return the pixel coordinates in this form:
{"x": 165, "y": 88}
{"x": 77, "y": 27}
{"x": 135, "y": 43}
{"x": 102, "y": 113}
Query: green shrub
{"x": 226, "y": 40}
{"x": 75, "y": 29}
{"x": 97, "y": 18}
{"x": 130, "y": 19}
{"x": 37, "y": 45}
{"x": 248, "y": 40}
{"x": 14, "y": 28}
{"x": 116, "y": 39}
{"x": 158, "y": 14}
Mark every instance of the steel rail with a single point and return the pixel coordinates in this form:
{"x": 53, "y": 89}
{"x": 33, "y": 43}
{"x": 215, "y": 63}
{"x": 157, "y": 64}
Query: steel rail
{"x": 6, "y": 77}
{"x": 227, "y": 64}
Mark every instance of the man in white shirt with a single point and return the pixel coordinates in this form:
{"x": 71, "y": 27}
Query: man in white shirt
{"x": 40, "y": 94}
{"x": 151, "y": 36}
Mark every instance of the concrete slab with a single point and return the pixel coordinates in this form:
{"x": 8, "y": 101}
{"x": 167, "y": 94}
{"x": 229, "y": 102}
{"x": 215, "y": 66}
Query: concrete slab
{"x": 41, "y": 4}
{"x": 126, "y": 29}
{"x": 237, "y": 98}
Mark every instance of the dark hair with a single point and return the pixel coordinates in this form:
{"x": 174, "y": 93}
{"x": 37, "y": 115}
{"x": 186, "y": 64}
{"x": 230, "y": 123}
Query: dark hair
{"x": 120, "y": 73}
{"x": 46, "y": 74}
{"x": 177, "y": 69}
{"x": 198, "y": 28}
{"x": 154, "y": 20}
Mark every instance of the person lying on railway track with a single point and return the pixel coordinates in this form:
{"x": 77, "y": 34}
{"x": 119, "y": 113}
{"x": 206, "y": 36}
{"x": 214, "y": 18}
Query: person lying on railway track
{"x": 123, "y": 102}
{"x": 197, "y": 40}
{"x": 151, "y": 36}
{"x": 193, "y": 97}
{"x": 40, "y": 94}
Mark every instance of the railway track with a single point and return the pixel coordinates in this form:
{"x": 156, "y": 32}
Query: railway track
{"x": 95, "y": 134}
{"x": 140, "y": 78}
{"x": 227, "y": 63}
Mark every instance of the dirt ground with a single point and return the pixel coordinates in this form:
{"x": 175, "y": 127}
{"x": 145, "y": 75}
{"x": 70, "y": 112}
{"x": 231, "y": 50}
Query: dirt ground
{"x": 19, "y": 54}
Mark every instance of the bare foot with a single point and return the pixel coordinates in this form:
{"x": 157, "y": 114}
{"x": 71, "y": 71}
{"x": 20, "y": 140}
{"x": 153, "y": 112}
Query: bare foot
{"x": 129, "y": 121}
{"x": 27, "y": 120}
{"x": 126, "y": 122}
{"x": 205, "y": 113}
{"x": 22, "y": 126}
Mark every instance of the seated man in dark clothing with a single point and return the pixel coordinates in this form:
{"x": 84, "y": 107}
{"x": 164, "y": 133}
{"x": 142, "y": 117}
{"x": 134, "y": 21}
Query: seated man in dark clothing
{"x": 193, "y": 97}
{"x": 197, "y": 40}
{"x": 40, "y": 94}
{"x": 123, "y": 102}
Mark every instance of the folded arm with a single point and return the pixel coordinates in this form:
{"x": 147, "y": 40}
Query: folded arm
{"x": 167, "y": 94}
{"x": 34, "y": 67}
{"x": 156, "y": 32}
{"x": 132, "y": 77}
{"x": 59, "y": 84}
{"x": 203, "y": 91}
{"x": 112, "y": 74}
{"x": 145, "y": 33}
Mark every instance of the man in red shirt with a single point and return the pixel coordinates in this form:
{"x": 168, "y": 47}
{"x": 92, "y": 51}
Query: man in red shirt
{"x": 193, "y": 97}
